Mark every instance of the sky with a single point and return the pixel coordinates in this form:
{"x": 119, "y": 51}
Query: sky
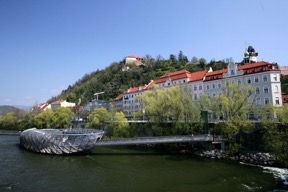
{"x": 47, "y": 45}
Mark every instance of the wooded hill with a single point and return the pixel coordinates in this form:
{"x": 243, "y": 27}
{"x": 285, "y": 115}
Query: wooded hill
{"x": 113, "y": 81}
{"x": 6, "y": 108}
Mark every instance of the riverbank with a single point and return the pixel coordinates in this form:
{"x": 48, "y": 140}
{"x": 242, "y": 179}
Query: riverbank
{"x": 256, "y": 158}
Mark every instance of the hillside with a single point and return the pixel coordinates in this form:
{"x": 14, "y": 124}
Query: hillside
{"x": 6, "y": 108}
{"x": 113, "y": 81}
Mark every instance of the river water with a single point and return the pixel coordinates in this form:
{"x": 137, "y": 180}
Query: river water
{"x": 124, "y": 169}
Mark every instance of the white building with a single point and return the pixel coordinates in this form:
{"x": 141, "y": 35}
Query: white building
{"x": 130, "y": 102}
{"x": 263, "y": 76}
{"x": 61, "y": 103}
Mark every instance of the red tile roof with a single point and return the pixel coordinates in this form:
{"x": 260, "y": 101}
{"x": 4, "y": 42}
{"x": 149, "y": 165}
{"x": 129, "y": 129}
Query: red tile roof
{"x": 133, "y": 56}
{"x": 218, "y": 72}
{"x": 182, "y": 74}
{"x": 196, "y": 76}
{"x": 135, "y": 89}
{"x": 119, "y": 97}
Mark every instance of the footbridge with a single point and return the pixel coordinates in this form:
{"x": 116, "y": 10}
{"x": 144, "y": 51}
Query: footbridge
{"x": 162, "y": 139}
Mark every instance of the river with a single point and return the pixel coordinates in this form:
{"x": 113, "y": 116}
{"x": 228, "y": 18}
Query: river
{"x": 124, "y": 169}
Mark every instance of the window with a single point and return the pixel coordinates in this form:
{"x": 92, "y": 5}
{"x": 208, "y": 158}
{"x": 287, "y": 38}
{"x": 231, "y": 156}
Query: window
{"x": 195, "y": 97}
{"x": 277, "y": 102}
{"x": 219, "y": 85}
{"x": 200, "y": 87}
{"x": 207, "y": 87}
{"x": 248, "y": 80}
{"x": 184, "y": 81}
{"x": 232, "y": 72}
{"x": 257, "y": 90}
{"x": 265, "y": 89}
{"x": 265, "y": 79}
{"x": 195, "y": 87}
{"x": 276, "y": 88}
{"x": 213, "y": 86}
{"x": 256, "y": 80}
{"x": 258, "y": 101}
{"x": 208, "y": 95}
{"x": 266, "y": 101}
{"x": 275, "y": 77}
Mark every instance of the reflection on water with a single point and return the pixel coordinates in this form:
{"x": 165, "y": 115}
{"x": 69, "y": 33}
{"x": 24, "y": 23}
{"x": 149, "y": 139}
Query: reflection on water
{"x": 123, "y": 169}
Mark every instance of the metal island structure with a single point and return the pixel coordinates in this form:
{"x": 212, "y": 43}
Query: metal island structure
{"x": 60, "y": 141}
{"x": 79, "y": 140}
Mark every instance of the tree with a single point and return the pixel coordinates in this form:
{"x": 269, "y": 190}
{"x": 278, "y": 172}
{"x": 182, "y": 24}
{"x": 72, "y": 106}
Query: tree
{"x": 275, "y": 131}
{"x": 169, "y": 105}
{"x": 9, "y": 121}
{"x": 71, "y": 97}
{"x": 202, "y": 63}
{"x": 194, "y": 60}
{"x": 62, "y": 117}
{"x": 98, "y": 117}
{"x": 233, "y": 107}
{"x": 43, "y": 119}
{"x": 204, "y": 103}
{"x": 119, "y": 125}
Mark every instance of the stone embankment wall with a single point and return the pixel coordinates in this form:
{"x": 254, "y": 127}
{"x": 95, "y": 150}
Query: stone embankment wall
{"x": 251, "y": 158}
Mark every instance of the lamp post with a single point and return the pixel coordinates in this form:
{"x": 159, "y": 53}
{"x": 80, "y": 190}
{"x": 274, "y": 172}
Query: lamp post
{"x": 97, "y": 94}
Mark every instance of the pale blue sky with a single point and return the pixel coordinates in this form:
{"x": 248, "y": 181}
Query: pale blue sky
{"x": 47, "y": 45}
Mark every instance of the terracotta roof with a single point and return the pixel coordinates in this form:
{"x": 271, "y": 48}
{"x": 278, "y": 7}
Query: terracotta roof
{"x": 253, "y": 65}
{"x": 175, "y": 73}
{"x": 135, "y": 89}
{"x": 182, "y": 74}
{"x": 196, "y": 76}
{"x": 59, "y": 101}
{"x": 218, "y": 72}
{"x": 119, "y": 97}
{"x": 133, "y": 56}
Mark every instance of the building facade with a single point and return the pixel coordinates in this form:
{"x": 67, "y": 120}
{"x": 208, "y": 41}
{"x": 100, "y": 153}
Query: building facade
{"x": 264, "y": 77}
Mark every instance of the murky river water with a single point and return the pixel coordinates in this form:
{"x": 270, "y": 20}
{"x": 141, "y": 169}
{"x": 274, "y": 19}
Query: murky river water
{"x": 123, "y": 169}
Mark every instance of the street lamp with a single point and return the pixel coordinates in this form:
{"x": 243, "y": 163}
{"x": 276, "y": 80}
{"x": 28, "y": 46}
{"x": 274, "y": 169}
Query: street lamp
{"x": 98, "y": 94}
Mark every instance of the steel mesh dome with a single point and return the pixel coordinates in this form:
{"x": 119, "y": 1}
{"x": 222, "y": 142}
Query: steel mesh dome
{"x": 60, "y": 141}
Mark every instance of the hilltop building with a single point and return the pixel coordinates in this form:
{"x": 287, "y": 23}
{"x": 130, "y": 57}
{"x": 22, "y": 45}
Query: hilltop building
{"x": 134, "y": 60}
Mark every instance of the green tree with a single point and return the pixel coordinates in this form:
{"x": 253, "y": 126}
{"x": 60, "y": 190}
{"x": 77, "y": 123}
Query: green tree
{"x": 43, "y": 119}
{"x": 119, "y": 125}
{"x": 1, "y": 122}
{"x": 98, "y": 117}
{"x": 62, "y": 117}
{"x": 194, "y": 60}
{"x": 10, "y": 121}
{"x": 233, "y": 107}
{"x": 275, "y": 131}
{"x": 71, "y": 97}
{"x": 170, "y": 105}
